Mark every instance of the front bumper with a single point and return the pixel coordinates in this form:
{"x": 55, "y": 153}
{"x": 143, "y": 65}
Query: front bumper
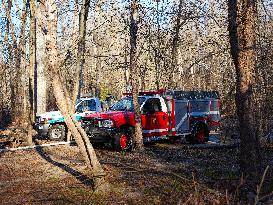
{"x": 42, "y": 129}
{"x": 100, "y": 134}
{"x": 106, "y": 135}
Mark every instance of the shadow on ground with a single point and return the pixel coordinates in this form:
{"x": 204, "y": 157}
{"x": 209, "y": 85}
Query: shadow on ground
{"x": 79, "y": 176}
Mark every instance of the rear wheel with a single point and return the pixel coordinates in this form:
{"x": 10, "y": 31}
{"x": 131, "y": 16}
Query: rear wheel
{"x": 56, "y": 132}
{"x": 124, "y": 140}
{"x": 199, "y": 134}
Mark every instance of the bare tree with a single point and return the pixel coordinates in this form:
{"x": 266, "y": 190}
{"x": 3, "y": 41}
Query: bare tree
{"x": 180, "y": 20}
{"x": 41, "y": 86}
{"x": 242, "y": 32}
{"x": 135, "y": 73}
{"x": 63, "y": 100}
{"x": 81, "y": 50}
{"x": 32, "y": 61}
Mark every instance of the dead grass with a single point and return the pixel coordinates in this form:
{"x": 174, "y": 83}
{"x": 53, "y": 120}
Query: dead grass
{"x": 163, "y": 174}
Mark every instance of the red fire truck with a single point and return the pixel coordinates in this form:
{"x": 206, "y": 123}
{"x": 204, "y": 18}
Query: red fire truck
{"x": 165, "y": 114}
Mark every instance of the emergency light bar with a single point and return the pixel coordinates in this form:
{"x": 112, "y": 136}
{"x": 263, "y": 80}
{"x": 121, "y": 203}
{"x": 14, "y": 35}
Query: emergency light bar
{"x": 148, "y": 93}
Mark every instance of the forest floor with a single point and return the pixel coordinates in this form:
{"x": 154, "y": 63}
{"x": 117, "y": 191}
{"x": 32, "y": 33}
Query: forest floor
{"x": 165, "y": 173}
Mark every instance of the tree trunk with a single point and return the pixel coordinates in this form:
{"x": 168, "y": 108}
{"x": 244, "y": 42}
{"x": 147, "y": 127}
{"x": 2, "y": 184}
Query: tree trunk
{"x": 157, "y": 50}
{"x": 25, "y": 74}
{"x": 242, "y": 32}
{"x": 39, "y": 69}
{"x": 63, "y": 104}
{"x": 21, "y": 64}
{"x": 81, "y": 50}
{"x": 135, "y": 74}
{"x": 175, "y": 42}
{"x": 32, "y": 61}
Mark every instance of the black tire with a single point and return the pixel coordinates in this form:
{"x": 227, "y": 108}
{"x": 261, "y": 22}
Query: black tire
{"x": 57, "y": 132}
{"x": 124, "y": 140}
{"x": 199, "y": 133}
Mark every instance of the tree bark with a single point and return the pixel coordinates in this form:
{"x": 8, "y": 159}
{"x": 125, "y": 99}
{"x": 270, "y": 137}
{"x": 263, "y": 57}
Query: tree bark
{"x": 32, "y": 61}
{"x": 81, "y": 50}
{"x": 135, "y": 74}
{"x": 242, "y": 33}
{"x": 19, "y": 83}
{"x": 40, "y": 84}
{"x": 175, "y": 44}
{"x": 63, "y": 104}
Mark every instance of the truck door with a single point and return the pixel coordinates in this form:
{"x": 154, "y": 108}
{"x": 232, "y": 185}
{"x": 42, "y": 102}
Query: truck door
{"x": 154, "y": 119}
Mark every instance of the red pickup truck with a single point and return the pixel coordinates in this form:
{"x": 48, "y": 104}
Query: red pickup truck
{"x": 164, "y": 115}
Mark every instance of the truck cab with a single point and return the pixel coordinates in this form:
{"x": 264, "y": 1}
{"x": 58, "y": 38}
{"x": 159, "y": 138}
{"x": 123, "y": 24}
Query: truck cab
{"x": 117, "y": 125}
{"x": 52, "y": 125}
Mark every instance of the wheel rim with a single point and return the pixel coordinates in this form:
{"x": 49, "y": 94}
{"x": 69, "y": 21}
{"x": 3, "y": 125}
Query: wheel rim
{"x": 124, "y": 141}
{"x": 56, "y": 133}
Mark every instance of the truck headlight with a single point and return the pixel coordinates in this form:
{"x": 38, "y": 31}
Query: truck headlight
{"x": 106, "y": 123}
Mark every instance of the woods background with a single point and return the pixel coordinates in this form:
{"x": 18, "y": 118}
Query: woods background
{"x": 182, "y": 45}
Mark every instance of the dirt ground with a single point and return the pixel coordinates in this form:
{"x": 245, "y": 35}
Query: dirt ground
{"x": 164, "y": 174}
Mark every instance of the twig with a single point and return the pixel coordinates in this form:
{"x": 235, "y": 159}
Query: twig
{"x": 266, "y": 197}
{"x": 259, "y": 187}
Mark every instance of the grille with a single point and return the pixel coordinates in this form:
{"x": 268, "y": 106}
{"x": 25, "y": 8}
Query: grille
{"x": 87, "y": 126}
{"x": 38, "y": 119}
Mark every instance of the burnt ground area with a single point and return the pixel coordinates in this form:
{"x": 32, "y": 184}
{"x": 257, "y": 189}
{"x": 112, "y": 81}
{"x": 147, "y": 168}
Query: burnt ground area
{"x": 164, "y": 173}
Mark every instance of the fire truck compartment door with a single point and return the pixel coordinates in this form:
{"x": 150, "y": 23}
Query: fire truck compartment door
{"x": 154, "y": 120}
{"x": 181, "y": 116}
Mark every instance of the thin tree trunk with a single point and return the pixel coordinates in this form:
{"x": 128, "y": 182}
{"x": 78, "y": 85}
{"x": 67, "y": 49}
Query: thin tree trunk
{"x": 175, "y": 44}
{"x": 32, "y": 61}
{"x": 81, "y": 50}
{"x": 242, "y": 32}
{"x": 135, "y": 74}
{"x": 24, "y": 70}
{"x": 126, "y": 74}
{"x": 157, "y": 50}
{"x": 19, "y": 83}
{"x": 24, "y": 73}
{"x": 40, "y": 85}
{"x": 13, "y": 56}
{"x": 63, "y": 104}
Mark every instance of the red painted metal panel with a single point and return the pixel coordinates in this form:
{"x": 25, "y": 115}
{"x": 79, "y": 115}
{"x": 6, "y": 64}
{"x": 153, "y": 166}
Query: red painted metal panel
{"x": 155, "y": 124}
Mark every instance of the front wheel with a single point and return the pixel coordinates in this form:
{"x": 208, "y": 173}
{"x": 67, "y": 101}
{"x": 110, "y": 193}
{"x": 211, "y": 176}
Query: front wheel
{"x": 199, "y": 134}
{"x": 124, "y": 140}
{"x": 56, "y": 132}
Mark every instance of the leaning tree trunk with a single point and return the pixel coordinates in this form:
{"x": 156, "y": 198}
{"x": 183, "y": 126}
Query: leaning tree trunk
{"x": 63, "y": 104}
{"x": 135, "y": 74}
{"x": 242, "y": 32}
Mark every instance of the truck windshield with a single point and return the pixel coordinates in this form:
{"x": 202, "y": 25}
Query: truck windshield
{"x": 86, "y": 105}
{"x": 126, "y": 104}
